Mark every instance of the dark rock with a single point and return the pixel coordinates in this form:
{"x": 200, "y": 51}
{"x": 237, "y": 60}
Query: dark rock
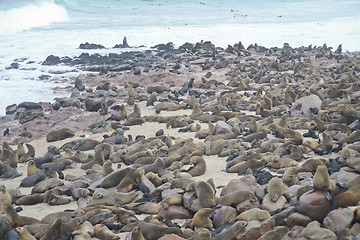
{"x": 123, "y": 45}
{"x": 14, "y": 65}
{"x": 90, "y": 46}
{"x": 137, "y": 71}
{"x": 30, "y": 105}
{"x": 11, "y": 109}
{"x": 164, "y": 47}
{"x": 29, "y": 116}
{"x": 56, "y": 106}
{"x": 51, "y": 60}
{"x": 79, "y": 84}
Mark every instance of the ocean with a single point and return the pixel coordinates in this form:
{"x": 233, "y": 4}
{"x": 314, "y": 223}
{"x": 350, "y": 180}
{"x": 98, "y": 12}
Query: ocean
{"x": 30, "y": 30}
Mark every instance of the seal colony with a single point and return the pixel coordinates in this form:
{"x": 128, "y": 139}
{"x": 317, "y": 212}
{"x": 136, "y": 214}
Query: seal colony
{"x": 198, "y": 142}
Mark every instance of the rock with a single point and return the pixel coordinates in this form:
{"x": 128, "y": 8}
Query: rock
{"x": 246, "y": 182}
{"x": 261, "y": 192}
{"x": 11, "y": 109}
{"x": 344, "y": 176}
{"x": 30, "y": 105}
{"x": 355, "y": 229}
{"x": 30, "y": 115}
{"x": 79, "y": 84}
{"x": 137, "y": 71}
{"x": 223, "y": 214}
{"x": 303, "y": 105}
{"x": 297, "y": 219}
{"x": 14, "y": 65}
{"x": 291, "y": 193}
{"x": 269, "y": 205}
{"x": 90, "y": 46}
{"x": 171, "y": 237}
{"x": 51, "y": 60}
{"x": 246, "y": 205}
{"x": 255, "y": 229}
{"x": 222, "y": 128}
{"x": 313, "y": 198}
{"x": 191, "y": 201}
{"x": 59, "y": 134}
{"x": 175, "y": 212}
{"x": 338, "y": 219}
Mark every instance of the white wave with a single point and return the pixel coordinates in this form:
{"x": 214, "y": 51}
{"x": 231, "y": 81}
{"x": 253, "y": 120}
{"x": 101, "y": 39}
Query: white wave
{"x": 36, "y": 15}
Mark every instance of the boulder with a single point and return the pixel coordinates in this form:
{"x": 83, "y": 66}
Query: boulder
{"x": 303, "y": 105}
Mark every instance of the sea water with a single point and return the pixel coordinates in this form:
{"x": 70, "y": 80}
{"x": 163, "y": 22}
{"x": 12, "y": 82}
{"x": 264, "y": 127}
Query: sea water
{"x": 30, "y": 30}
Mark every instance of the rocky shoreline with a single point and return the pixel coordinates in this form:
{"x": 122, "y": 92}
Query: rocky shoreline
{"x": 276, "y": 127}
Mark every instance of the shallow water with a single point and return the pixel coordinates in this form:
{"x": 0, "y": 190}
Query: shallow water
{"x": 32, "y": 30}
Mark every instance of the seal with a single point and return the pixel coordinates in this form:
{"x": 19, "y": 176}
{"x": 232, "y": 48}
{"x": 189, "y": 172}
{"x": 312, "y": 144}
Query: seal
{"x": 199, "y": 166}
{"x": 237, "y": 197}
{"x": 275, "y": 188}
{"x": 158, "y": 165}
{"x": 102, "y": 232}
{"x": 20, "y": 150}
{"x": 254, "y": 214}
{"x": 204, "y": 234}
{"x": 8, "y": 172}
{"x": 114, "y": 178}
{"x": 30, "y": 199}
{"x": 231, "y": 232}
{"x": 134, "y": 176}
{"x": 132, "y": 92}
{"x": 154, "y": 178}
{"x": 204, "y": 191}
{"x": 153, "y": 231}
{"x": 136, "y": 233}
{"x": 47, "y": 184}
{"x": 71, "y": 226}
{"x": 29, "y": 154}
{"x": 98, "y": 158}
{"x": 322, "y": 181}
{"x": 314, "y": 231}
{"x": 106, "y": 168}
{"x": 15, "y": 220}
{"x": 31, "y": 168}
{"x": 54, "y": 231}
{"x": 136, "y": 113}
{"x": 24, "y": 234}
{"x": 5, "y": 198}
{"x": 276, "y": 234}
{"x": 201, "y": 218}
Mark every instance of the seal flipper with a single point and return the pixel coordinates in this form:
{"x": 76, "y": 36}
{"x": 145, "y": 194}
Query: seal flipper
{"x": 326, "y": 193}
{"x": 191, "y": 199}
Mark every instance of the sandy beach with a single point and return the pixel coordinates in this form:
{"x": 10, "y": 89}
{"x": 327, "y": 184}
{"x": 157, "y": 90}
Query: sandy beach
{"x": 272, "y": 111}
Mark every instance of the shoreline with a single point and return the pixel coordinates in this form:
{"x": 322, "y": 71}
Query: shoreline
{"x": 233, "y": 85}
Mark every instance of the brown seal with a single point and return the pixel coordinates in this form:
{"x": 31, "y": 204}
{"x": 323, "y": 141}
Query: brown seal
{"x": 31, "y": 168}
{"x": 29, "y": 154}
{"x": 348, "y": 198}
{"x": 201, "y": 218}
{"x": 204, "y": 191}
{"x": 24, "y": 234}
{"x": 199, "y": 166}
{"x": 237, "y": 197}
{"x": 158, "y": 165}
{"x": 114, "y": 178}
{"x": 134, "y": 176}
{"x": 275, "y": 188}
{"x": 204, "y": 234}
{"x": 231, "y": 232}
{"x": 20, "y": 150}
{"x": 106, "y": 168}
{"x": 16, "y": 220}
{"x": 154, "y": 232}
{"x": 172, "y": 199}
{"x": 54, "y": 231}
{"x": 102, "y": 232}
{"x": 136, "y": 233}
{"x": 314, "y": 231}
{"x": 254, "y": 214}
{"x": 321, "y": 178}
{"x": 5, "y": 198}
{"x": 98, "y": 158}
{"x": 276, "y": 234}
{"x": 30, "y": 199}
{"x": 136, "y": 113}
{"x": 154, "y": 178}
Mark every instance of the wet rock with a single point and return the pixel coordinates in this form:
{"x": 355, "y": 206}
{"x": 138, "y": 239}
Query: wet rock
{"x": 338, "y": 219}
{"x": 52, "y": 60}
{"x": 30, "y": 105}
{"x": 11, "y": 109}
{"x": 255, "y": 229}
{"x": 302, "y": 106}
{"x": 297, "y": 219}
{"x": 90, "y": 46}
{"x": 269, "y": 205}
{"x": 222, "y": 128}
{"x": 30, "y": 115}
